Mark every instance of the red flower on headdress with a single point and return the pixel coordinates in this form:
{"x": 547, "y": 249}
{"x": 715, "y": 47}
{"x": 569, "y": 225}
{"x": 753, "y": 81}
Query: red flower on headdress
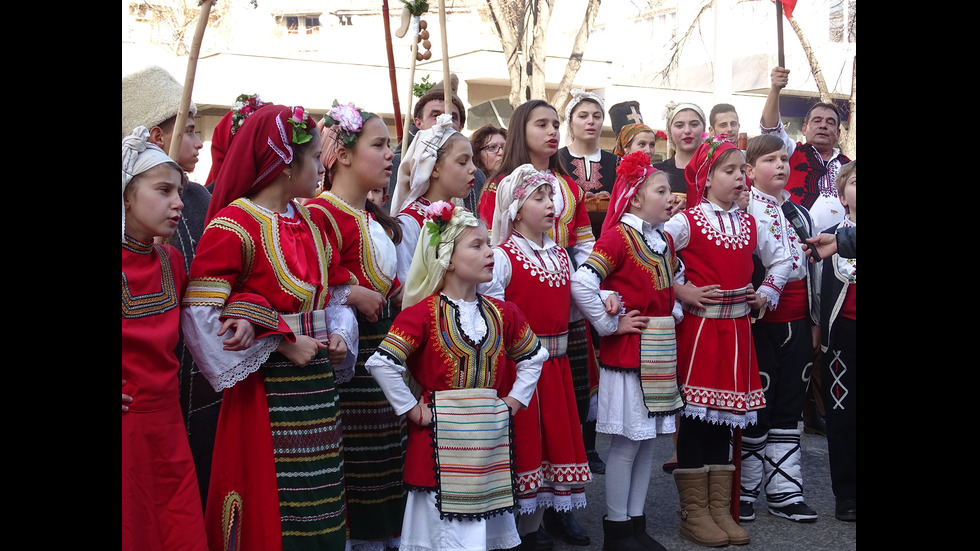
{"x": 631, "y": 168}
{"x": 440, "y": 211}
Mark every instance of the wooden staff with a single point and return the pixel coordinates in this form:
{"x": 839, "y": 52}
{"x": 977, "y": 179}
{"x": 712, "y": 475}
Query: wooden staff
{"x": 447, "y": 94}
{"x": 411, "y": 96}
{"x": 391, "y": 71}
{"x": 780, "y": 55}
{"x": 185, "y": 97}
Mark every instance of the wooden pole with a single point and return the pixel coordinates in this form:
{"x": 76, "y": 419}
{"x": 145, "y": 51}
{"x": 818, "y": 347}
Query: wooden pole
{"x": 396, "y": 109}
{"x": 185, "y": 97}
{"x": 780, "y": 55}
{"x": 411, "y": 95}
{"x": 447, "y": 97}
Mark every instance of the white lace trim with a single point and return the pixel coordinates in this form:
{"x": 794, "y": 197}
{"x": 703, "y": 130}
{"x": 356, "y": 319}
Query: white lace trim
{"x": 720, "y": 417}
{"x": 471, "y": 322}
{"x": 259, "y": 352}
{"x": 338, "y": 295}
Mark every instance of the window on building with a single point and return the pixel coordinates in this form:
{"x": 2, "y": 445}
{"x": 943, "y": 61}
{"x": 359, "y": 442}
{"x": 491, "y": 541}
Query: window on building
{"x": 292, "y": 24}
{"x": 312, "y": 24}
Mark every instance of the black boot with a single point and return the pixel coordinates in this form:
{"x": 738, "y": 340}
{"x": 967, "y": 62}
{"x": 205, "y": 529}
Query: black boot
{"x": 529, "y": 542}
{"x": 561, "y": 524}
{"x": 618, "y": 536}
{"x": 640, "y": 534}
{"x": 596, "y": 465}
{"x": 545, "y": 543}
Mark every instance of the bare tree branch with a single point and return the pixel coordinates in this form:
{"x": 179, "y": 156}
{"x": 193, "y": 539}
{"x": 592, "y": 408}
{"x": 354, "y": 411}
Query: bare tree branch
{"x": 678, "y": 46}
{"x": 560, "y": 97}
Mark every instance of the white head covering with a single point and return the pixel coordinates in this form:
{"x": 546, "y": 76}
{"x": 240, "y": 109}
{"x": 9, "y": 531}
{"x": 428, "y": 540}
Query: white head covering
{"x": 512, "y": 192}
{"x": 670, "y": 111}
{"x": 138, "y": 156}
{"x": 578, "y": 96}
{"x": 434, "y": 250}
{"x": 415, "y": 170}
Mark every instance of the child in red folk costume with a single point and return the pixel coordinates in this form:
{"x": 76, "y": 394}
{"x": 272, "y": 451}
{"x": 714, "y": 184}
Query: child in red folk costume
{"x": 532, "y": 138}
{"x": 838, "y": 324}
{"x": 259, "y": 320}
{"x": 530, "y": 270}
{"x": 438, "y": 167}
{"x": 786, "y": 334}
{"x": 716, "y": 364}
{"x": 455, "y": 343}
{"x": 638, "y": 393}
{"x": 161, "y": 503}
{"x": 364, "y": 237}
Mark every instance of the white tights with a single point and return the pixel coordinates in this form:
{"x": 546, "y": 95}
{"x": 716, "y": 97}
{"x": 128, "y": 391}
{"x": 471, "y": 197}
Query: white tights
{"x": 628, "y": 469}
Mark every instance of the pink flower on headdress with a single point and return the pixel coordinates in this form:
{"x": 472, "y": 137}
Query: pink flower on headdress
{"x": 298, "y": 114}
{"x": 440, "y": 211}
{"x": 533, "y": 182}
{"x": 347, "y": 117}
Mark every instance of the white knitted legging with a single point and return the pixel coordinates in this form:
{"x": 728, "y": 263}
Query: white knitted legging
{"x": 627, "y": 477}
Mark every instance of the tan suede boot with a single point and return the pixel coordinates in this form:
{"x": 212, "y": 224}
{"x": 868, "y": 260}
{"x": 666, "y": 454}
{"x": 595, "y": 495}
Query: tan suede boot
{"x": 720, "y": 500}
{"x": 696, "y": 522}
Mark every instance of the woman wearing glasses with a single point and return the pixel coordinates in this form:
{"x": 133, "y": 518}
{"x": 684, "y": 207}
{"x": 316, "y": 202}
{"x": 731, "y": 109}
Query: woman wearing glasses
{"x": 488, "y": 148}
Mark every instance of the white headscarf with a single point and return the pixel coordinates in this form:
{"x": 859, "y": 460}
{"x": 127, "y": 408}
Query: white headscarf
{"x": 512, "y": 192}
{"x": 434, "y": 250}
{"x": 578, "y": 96}
{"x": 138, "y": 156}
{"x": 415, "y": 170}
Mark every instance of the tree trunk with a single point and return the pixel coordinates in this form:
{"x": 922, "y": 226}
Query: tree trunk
{"x": 537, "y": 51}
{"x": 560, "y": 98}
{"x": 848, "y": 142}
{"x": 509, "y": 42}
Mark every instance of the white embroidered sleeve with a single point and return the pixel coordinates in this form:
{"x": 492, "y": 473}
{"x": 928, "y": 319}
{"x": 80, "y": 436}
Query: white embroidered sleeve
{"x": 406, "y": 248}
{"x": 222, "y": 368}
{"x": 390, "y": 377}
{"x": 589, "y": 299}
{"x": 528, "y": 372}
{"x": 342, "y": 320}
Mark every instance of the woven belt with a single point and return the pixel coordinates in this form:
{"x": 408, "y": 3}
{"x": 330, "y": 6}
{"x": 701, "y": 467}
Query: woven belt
{"x": 312, "y": 324}
{"x": 732, "y": 306}
{"x": 556, "y": 345}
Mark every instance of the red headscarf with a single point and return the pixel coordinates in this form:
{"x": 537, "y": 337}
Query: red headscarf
{"x": 632, "y": 171}
{"x": 227, "y": 127}
{"x": 696, "y": 172}
{"x": 260, "y": 151}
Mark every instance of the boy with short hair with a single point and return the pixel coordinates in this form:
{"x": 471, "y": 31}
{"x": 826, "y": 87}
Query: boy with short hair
{"x": 838, "y": 323}
{"x": 151, "y": 98}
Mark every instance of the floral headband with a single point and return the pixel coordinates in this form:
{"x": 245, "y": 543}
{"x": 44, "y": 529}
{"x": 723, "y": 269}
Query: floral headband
{"x": 437, "y": 216}
{"x": 302, "y": 123}
{"x": 533, "y": 182}
{"x": 348, "y": 119}
{"x": 715, "y": 141}
{"x": 245, "y": 105}
{"x": 629, "y": 131}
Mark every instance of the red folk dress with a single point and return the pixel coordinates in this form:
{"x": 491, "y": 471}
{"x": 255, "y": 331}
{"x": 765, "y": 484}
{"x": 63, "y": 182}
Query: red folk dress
{"x": 268, "y": 491}
{"x": 551, "y": 467}
{"x": 161, "y": 503}
{"x": 716, "y": 362}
